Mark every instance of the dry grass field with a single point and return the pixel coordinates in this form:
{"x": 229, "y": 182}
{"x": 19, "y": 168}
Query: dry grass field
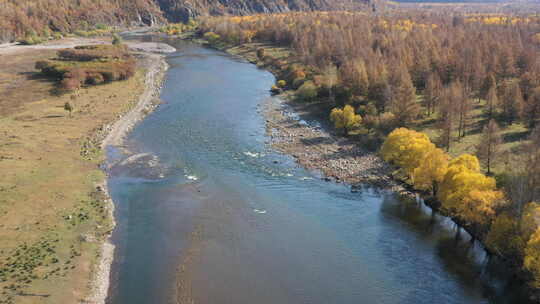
{"x": 52, "y": 218}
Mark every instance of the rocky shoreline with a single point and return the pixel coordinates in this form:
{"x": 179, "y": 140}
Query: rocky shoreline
{"x": 113, "y": 135}
{"x": 338, "y": 158}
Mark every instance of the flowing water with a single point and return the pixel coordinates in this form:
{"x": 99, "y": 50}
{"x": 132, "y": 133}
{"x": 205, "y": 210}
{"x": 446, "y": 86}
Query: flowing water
{"x": 208, "y": 213}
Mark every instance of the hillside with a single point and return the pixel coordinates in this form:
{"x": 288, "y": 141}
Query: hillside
{"x": 22, "y": 18}
{"x": 182, "y": 10}
{"x": 19, "y": 18}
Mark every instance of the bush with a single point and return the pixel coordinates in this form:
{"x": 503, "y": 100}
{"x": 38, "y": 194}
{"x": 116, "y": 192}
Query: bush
{"x": 275, "y": 90}
{"x": 101, "y": 26}
{"x": 211, "y": 37}
{"x": 89, "y": 65}
{"x": 281, "y": 83}
{"x": 260, "y": 53}
{"x": 117, "y": 40}
{"x": 387, "y": 122}
{"x": 90, "y": 53}
{"x": 307, "y": 91}
{"x": 70, "y": 84}
{"x": 94, "y": 78}
{"x": 298, "y": 82}
{"x": 57, "y": 35}
{"x": 30, "y": 40}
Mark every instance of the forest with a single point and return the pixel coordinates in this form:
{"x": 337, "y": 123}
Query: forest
{"x": 23, "y": 19}
{"x": 453, "y": 98}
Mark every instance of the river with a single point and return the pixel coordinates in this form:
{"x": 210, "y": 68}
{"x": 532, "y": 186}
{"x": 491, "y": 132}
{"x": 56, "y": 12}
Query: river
{"x": 207, "y": 213}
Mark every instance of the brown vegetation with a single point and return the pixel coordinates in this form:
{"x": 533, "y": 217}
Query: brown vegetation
{"x": 89, "y": 65}
{"x": 459, "y": 73}
{"x": 52, "y": 219}
{"x": 29, "y": 19}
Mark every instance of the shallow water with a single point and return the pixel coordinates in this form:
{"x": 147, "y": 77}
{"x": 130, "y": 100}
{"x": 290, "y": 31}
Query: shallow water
{"x": 250, "y": 226}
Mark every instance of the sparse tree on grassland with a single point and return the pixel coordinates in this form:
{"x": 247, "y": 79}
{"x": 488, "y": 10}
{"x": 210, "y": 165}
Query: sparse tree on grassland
{"x": 432, "y": 93}
{"x": 489, "y": 146}
{"x": 531, "y": 112}
{"x": 512, "y": 103}
{"x": 68, "y": 107}
{"x": 489, "y": 83}
{"x": 446, "y": 123}
{"x": 491, "y": 102}
{"x": 404, "y": 104}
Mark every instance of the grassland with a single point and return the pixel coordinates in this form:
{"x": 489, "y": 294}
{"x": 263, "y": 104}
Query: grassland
{"x": 52, "y": 217}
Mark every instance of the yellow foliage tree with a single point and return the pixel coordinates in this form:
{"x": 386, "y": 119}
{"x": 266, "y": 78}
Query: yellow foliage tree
{"x": 431, "y": 171}
{"x": 345, "y": 118}
{"x": 478, "y": 207}
{"x": 406, "y": 148}
{"x": 532, "y": 258}
{"x": 464, "y": 190}
{"x": 466, "y": 160}
{"x": 504, "y": 237}
{"x": 530, "y": 219}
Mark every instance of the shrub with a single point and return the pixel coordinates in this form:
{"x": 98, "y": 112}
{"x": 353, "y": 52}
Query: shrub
{"x": 211, "y": 37}
{"x": 70, "y": 84}
{"x": 30, "y": 40}
{"x": 68, "y": 107}
{"x": 42, "y": 64}
{"x": 345, "y": 119}
{"x": 298, "y": 82}
{"x": 260, "y": 53}
{"x": 57, "y": 35}
{"x": 94, "y": 78}
{"x": 89, "y": 65}
{"x": 281, "y": 83}
{"x": 275, "y": 89}
{"x": 117, "y": 40}
{"x": 307, "y": 91}
{"x": 387, "y": 122}
{"x": 101, "y": 26}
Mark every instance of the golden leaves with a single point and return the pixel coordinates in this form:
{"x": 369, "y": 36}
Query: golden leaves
{"x": 345, "y": 118}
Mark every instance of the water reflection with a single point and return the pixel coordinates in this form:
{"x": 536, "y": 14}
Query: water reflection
{"x": 465, "y": 261}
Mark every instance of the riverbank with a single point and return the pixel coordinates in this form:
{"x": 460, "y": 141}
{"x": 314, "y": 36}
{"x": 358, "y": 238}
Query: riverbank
{"x": 155, "y": 67}
{"x": 55, "y": 212}
{"x": 315, "y": 145}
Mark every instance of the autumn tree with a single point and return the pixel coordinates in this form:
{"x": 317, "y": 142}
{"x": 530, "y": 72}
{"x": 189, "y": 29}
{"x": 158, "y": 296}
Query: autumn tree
{"x": 307, "y": 91}
{"x": 406, "y": 148}
{"x": 354, "y": 74}
{"x": 489, "y": 146}
{"x": 531, "y": 261}
{"x": 404, "y": 104}
{"x": 459, "y": 97}
{"x": 489, "y": 83}
{"x": 512, "y": 103}
{"x": 446, "y": 123}
{"x": 345, "y": 119}
{"x": 531, "y": 112}
{"x": 467, "y": 193}
{"x": 492, "y": 100}
{"x": 68, "y": 107}
{"x": 431, "y": 171}
{"x": 432, "y": 93}
{"x": 504, "y": 237}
